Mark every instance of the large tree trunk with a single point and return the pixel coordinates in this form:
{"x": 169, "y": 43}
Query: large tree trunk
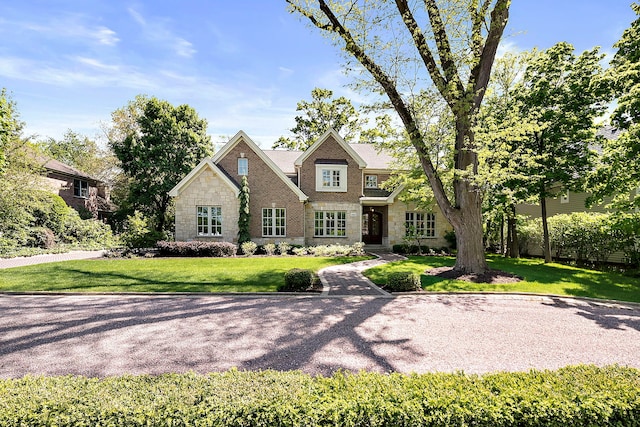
{"x": 467, "y": 225}
{"x": 513, "y": 247}
{"x": 546, "y": 242}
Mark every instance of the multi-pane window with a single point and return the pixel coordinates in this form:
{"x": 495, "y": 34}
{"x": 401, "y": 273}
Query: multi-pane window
{"x": 243, "y": 166}
{"x": 420, "y": 224}
{"x": 330, "y": 224}
{"x": 80, "y": 188}
{"x": 274, "y": 222}
{"x": 371, "y": 181}
{"x": 209, "y": 221}
{"x": 330, "y": 178}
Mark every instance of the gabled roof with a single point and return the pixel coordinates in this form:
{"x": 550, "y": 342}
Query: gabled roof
{"x": 57, "y": 166}
{"x": 207, "y": 162}
{"x": 241, "y": 136}
{"x": 284, "y": 159}
{"x": 332, "y": 133}
{"x": 375, "y": 158}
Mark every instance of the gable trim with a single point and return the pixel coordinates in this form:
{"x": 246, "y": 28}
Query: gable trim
{"x": 241, "y": 135}
{"x": 331, "y": 132}
{"x": 206, "y": 162}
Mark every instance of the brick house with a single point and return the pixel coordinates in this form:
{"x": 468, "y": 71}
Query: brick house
{"x": 328, "y": 194}
{"x": 78, "y": 189}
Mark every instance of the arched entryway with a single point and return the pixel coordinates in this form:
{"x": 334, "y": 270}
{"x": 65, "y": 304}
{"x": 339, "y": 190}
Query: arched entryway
{"x": 372, "y": 228}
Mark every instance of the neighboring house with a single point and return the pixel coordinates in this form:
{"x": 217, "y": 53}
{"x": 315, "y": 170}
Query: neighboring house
{"x": 568, "y": 202}
{"x": 328, "y": 194}
{"x": 78, "y": 189}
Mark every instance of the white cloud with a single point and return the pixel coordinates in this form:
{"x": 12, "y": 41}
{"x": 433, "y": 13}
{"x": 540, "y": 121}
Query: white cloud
{"x": 67, "y": 27}
{"x": 157, "y": 32}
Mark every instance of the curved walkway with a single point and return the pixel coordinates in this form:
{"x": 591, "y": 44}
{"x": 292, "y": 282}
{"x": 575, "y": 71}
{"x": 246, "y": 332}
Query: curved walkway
{"x": 347, "y": 279}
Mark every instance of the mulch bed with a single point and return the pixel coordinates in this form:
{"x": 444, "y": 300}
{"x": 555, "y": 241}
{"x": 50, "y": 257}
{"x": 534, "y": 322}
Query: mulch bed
{"x": 491, "y": 276}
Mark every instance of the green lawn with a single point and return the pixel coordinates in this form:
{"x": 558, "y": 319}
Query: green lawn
{"x": 556, "y": 279}
{"x": 256, "y": 274}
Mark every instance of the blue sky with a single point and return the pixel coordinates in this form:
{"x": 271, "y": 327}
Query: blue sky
{"x": 241, "y": 64}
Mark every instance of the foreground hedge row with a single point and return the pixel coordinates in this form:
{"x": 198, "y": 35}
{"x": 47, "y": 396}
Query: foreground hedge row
{"x": 574, "y": 396}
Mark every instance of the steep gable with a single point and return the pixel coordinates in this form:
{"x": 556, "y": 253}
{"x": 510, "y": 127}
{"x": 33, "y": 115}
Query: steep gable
{"x": 225, "y": 157}
{"x": 207, "y": 162}
{"x": 331, "y": 134}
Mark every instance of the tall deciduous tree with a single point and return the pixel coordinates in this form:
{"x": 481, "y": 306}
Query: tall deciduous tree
{"x": 80, "y": 152}
{"x": 619, "y": 171}
{"x": 451, "y": 43}
{"x": 157, "y": 144}
{"x": 318, "y": 115}
{"x": 563, "y": 93}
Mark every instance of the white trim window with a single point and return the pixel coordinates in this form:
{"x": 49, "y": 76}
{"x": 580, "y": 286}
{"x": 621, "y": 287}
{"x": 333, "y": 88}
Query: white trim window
{"x": 80, "y": 188}
{"x": 209, "y": 220}
{"x": 274, "y": 222}
{"x": 371, "y": 181}
{"x": 420, "y": 224}
{"x": 332, "y": 178}
{"x": 330, "y": 224}
{"x": 243, "y": 166}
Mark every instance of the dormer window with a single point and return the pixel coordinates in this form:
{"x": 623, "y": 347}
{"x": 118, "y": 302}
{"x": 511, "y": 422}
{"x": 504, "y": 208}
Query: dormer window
{"x": 331, "y": 178}
{"x": 371, "y": 181}
{"x": 243, "y": 166}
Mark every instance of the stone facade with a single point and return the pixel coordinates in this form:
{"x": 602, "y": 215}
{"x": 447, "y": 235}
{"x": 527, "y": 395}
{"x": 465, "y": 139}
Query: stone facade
{"x": 353, "y": 223}
{"x": 396, "y": 223}
{"x": 206, "y": 189}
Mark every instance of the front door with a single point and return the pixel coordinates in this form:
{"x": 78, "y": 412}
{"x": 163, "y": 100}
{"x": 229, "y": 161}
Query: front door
{"x": 372, "y": 228}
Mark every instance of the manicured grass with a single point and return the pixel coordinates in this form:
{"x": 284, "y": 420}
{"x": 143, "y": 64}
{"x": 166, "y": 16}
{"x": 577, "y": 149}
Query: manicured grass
{"x": 556, "y": 279}
{"x": 255, "y": 274}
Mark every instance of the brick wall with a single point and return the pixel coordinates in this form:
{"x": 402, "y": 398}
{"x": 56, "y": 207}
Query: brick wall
{"x": 330, "y": 149}
{"x": 267, "y": 191}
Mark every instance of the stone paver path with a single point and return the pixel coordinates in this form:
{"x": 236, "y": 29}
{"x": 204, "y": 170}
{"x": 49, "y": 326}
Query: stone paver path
{"x": 347, "y": 279}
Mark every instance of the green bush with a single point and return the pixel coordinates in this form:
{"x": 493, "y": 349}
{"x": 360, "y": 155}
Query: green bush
{"x": 283, "y": 248}
{"x": 403, "y": 281}
{"x": 197, "y": 249}
{"x": 41, "y": 237}
{"x": 86, "y": 232}
{"x": 572, "y": 396}
{"x": 248, "y": 248}
{"x": 138, "y": 233}
{"x": 297, "y": 280}
{"x": 269, "y": 249}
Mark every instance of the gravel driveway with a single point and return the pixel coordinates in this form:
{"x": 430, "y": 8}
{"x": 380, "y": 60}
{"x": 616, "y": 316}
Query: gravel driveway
{"x": 111, "y": 335}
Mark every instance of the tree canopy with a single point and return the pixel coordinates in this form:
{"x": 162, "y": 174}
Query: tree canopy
{"x": 405, "y": 47}
{"x": 157, "y": 144}
{"x": 318, "y": 115}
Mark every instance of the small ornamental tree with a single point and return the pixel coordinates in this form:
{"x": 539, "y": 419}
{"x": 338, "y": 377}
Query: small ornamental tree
{"x": 244, "y": 214}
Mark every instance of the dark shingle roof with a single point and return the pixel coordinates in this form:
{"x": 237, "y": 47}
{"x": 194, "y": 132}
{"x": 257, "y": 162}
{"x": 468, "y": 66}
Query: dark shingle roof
{"x": 57, "y": 166}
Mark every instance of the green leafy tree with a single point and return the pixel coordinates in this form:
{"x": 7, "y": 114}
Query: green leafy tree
{"x": 244, "y": 215}
{"x": 618, "y": 172}
{"x": 405, "y": 47}
{"x": 561, "y": 92}
{"x": 80, "y": 152}
{"x": 157, "y": 144}
{"x": 318, "y": 115}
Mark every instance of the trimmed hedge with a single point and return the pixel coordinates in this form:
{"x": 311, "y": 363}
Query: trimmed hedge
{"x": 572, "y": 396}
{"x": 197, "y": 249}
{"x": 297, "y": 280}
{"x": 403, "y": 281}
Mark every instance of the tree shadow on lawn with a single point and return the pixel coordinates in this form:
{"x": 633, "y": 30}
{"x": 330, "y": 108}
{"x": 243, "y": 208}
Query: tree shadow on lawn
{"x": 90, "y": 281}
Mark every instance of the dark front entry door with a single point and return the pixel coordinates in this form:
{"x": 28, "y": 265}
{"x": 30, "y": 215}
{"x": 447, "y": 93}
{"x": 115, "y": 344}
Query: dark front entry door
{"x": 372, "y": 228}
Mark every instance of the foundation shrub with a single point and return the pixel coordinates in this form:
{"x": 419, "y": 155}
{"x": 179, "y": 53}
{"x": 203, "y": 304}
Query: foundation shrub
{"x": 283, "y": 248}
{"x": 571, "y": 396}
{"x": 403, "y": 281}
{"x": 269, "y": 249}
{"x": 196, "y": 249}
{"x": 249, "y": 248}
{"x": 297, "y": 280}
